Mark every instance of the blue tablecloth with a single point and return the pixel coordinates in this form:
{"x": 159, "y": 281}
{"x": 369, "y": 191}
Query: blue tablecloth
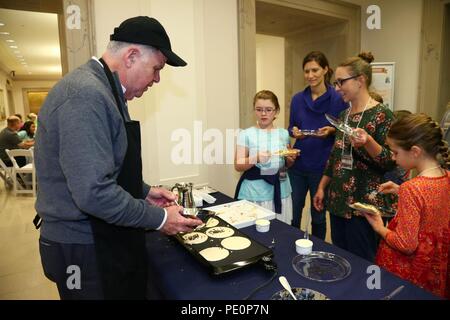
{"x": 175, "y": 274}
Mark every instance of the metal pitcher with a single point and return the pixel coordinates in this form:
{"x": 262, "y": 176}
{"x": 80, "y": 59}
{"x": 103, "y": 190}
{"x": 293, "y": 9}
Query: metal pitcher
{"x": 185, "y": 197}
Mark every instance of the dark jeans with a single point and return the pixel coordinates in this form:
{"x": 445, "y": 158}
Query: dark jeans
{"x": 301, "y": 182}
{"x": 355, "y": 235}
{"x": 57, "y": 259}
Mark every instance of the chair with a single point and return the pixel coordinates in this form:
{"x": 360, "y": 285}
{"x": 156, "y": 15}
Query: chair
{"x": 5, "y": 174}
{"x": 20, "y": 172}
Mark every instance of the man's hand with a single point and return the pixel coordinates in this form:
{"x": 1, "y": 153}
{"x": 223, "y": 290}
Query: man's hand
{"x": 161, "y": 197}
{"x": 26, "y": 144}
{"x": 176, "y": 222}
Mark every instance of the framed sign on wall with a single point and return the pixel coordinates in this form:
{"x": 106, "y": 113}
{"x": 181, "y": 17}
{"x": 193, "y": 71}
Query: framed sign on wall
{"x": 33, "y": 98}
{"x": 383, "y": 80}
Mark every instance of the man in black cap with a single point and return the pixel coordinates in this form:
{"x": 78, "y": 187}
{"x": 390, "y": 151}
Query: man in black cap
{"x": 92, "y": 200}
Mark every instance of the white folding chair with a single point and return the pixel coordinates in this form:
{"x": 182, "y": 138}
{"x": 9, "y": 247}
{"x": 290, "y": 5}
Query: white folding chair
{"x": 5, "y": 174}
{"x": 21, "y": 172}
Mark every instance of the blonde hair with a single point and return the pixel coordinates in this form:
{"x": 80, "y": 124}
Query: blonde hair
{"x": 360, "y": 65}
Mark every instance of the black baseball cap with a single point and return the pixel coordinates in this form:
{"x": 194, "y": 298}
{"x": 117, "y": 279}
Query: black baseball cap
{"x": 147, "y": 31}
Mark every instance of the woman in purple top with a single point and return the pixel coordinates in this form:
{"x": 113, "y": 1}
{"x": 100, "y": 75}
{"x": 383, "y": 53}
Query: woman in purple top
{"x": 308, "y": 109}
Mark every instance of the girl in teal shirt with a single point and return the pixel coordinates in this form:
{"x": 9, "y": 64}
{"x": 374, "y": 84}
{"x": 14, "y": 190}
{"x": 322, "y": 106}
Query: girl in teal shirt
{"x": 261, "y": 181}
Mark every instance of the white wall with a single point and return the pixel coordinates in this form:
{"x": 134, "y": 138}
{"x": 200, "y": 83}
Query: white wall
{"x": 270, "y": 73}
{"x": 397, "y": 41}
{"x": 204, "y": 33}
{"x": 3, "y": 98}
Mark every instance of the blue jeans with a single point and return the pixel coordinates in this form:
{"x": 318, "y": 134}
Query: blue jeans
{"x": 301, "y": 182}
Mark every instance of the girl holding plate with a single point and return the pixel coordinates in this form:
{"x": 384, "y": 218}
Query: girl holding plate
{"x": 261, "y": 158}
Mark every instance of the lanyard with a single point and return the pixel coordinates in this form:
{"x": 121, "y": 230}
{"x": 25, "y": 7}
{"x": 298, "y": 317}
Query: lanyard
{"x": 346, "y": 122}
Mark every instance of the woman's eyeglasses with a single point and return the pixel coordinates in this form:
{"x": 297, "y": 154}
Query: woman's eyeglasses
{"x": 340, "y": 82}
{"x": 266, "y": 110}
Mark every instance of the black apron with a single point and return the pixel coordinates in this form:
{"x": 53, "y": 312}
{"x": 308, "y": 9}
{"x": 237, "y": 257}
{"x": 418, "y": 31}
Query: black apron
{"x": 121, "y": 254}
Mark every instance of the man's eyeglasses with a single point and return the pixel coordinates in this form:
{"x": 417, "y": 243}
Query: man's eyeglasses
{"x": 266, "y": 110}
{"x": 340, "y": 82}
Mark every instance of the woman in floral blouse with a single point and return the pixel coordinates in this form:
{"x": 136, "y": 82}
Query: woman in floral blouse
{"x": 417, "y": 241}
{"x": 358, "y": 162}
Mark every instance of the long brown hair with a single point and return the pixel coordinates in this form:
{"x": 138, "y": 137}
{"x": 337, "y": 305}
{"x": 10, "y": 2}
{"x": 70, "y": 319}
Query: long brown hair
{"x": 420, "y": 130}
{"x": 321, "y": 60}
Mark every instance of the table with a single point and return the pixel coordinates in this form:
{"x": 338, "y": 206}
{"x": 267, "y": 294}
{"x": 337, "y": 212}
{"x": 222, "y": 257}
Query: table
{"x": 175, "y": 274}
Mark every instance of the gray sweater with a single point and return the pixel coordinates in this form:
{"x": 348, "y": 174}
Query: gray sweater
{"x": 79, "y": 149}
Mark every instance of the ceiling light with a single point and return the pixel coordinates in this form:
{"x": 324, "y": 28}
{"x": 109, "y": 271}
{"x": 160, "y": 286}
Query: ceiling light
{"x": 4, "y": 33}
{"x": 17, "y": 51}
{"x": 1, "y": 24}
{"x": 9, "y": 40}
{"x": 14, "y": 47}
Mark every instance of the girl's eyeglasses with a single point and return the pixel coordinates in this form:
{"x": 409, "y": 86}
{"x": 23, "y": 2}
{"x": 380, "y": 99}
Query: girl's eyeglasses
{"x": 340, "y": 82}
{"x": 266, "y": 110}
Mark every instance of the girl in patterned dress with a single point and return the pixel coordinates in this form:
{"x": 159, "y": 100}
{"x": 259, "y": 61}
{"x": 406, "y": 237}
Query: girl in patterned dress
{"x": 416, "y": 243}
{"x": 357, "y": 162}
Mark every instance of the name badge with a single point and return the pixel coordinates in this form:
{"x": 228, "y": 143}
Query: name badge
{"x": 347, "y": 161}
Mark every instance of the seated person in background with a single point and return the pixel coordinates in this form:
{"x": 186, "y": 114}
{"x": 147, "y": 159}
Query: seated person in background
{"x": 10, "y": 140}
{"x": 32, "y": 117}
{"x": 416, "y": 243}
{"x": 264, "y": 180}
{"x": 28, "y": 130}
{"x": 18, "y": 115}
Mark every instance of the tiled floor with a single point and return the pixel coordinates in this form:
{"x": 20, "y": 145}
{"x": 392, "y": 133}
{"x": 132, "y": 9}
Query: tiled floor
{"x": 21, "y": 275}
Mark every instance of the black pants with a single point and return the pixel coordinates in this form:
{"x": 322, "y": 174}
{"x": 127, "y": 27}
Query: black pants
{"x": 62, "y": 263}
{"x": 21, "y": 161}
{"x": 355, "y": 235}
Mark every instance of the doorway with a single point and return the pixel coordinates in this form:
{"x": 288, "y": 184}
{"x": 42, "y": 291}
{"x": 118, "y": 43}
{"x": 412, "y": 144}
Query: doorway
{"x": 444, "y": 97}
{"x": 75, "y": 24}
{"x": 303, "y": 26}
{"x": 33, "y": 68}
{"x": 434, "y": 78}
